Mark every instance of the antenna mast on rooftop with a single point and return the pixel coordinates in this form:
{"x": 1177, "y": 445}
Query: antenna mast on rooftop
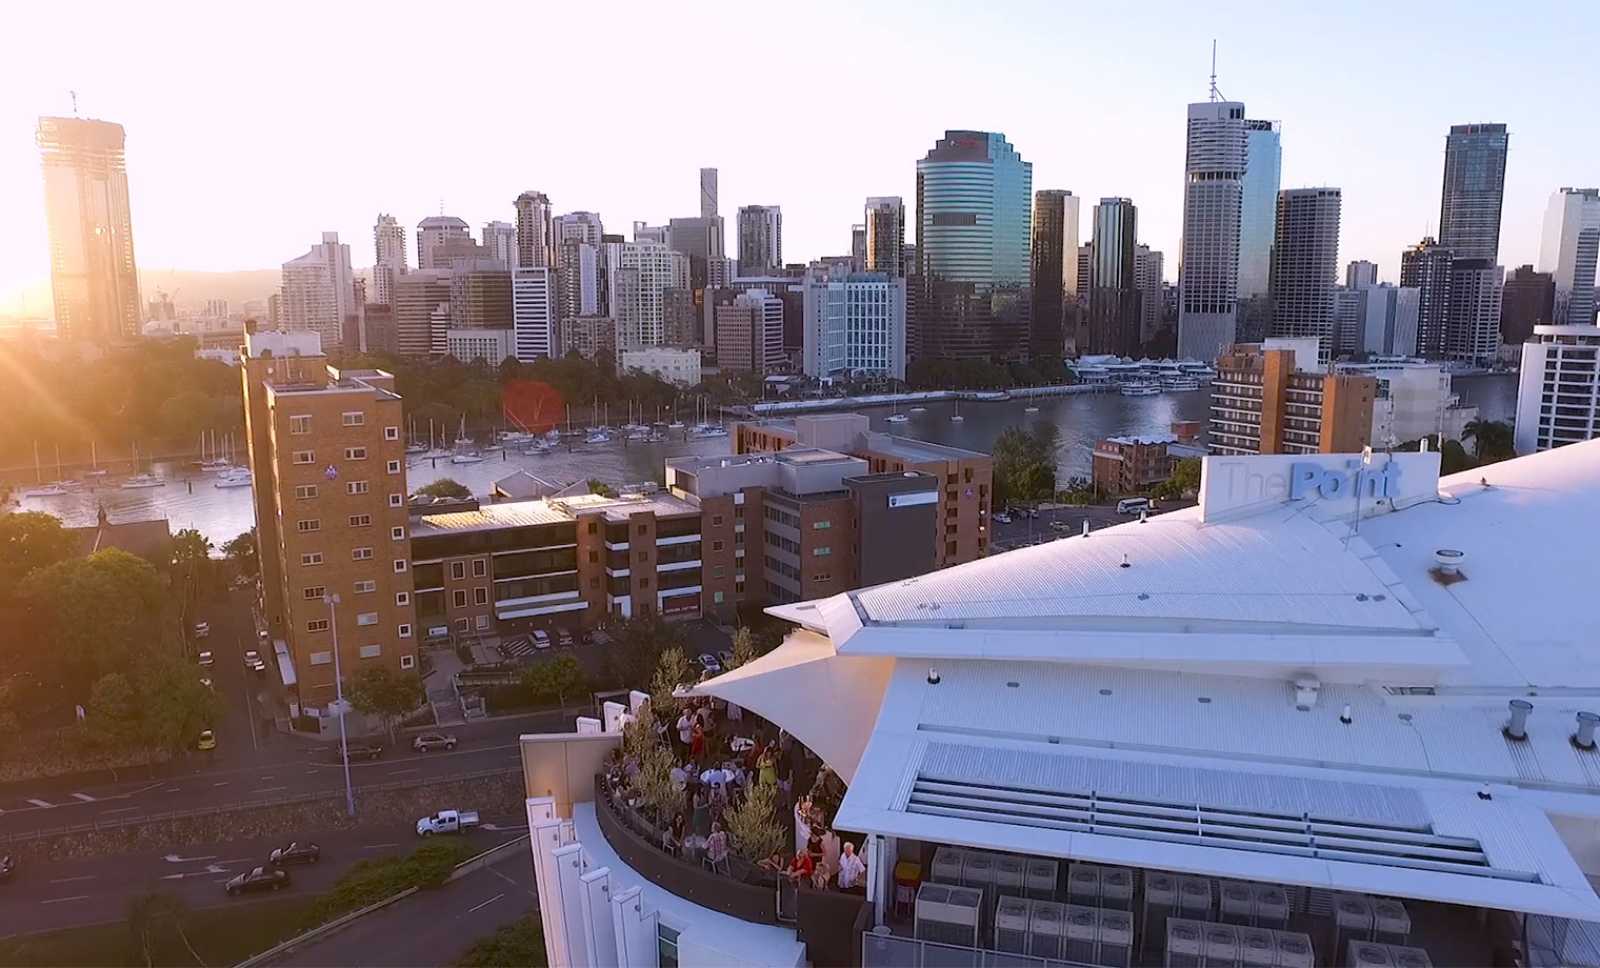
{"x": 1216, "y": 95}
{"x": 74, "y": 95}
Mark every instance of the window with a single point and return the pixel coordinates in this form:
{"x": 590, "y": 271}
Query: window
{"x": 644, "y": 582}
{"x": 353, "y": 418}
{"x": 317, "y": 625}
{"x": 719, "y": 571}
{"x": 404, "y": 631}
{"x": 391, "y": 433}
{"x": 394, "y": 467}
{"x": 716, "y": 598}
{"x": 397, "y": 533}
{"x": 822, "y": 576}
{"x": 321, "y": 658}
{"x": 300, "y": 423}
{"x": 716, "y": 546}
{"x": 314, "y": 592}
{"x": 458, "y": 598}
{"x": 360, "y": 520}
{"x": 481, "y": 623}
{"x": 480, "y": 596}
{"x": 458, "y": 570}
{"x": 371, "y": 651}
{"x": 399, "y": 565}
{"x": 367, "y": 618}
{"x": 366, "y": 586}
{"x": 397, "y": 500}
{"x": 591, "y": 527}
{"x": 305, "y": 492}
{"x": 305, "y": 457}
{"x": 308, "y": 525}
{"x": 311, "y": 558}
{"x": 408, "y": 661}
{"x": 642, "y": 529}
{"x": 360, "y": 554}
{"x": 480, "y": 567}
{"x": 716, "y": 520}
{"x": 821, "y": 552}
{"x": 356, "y": 487}
{"x": 355, "y": 453}
{"x": 402, "y": 598}
{"x": 463, "y": 625}
{"x": 643, "y": 556}
{"x": 594, "y": 557}
{"x": 821, "y": 525}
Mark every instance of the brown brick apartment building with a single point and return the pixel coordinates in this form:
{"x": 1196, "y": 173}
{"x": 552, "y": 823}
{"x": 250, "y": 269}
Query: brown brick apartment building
{"x": 1262, "y": 404}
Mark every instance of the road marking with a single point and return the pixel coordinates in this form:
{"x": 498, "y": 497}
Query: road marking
{"x": 120, "y": 810}
{"x": 270, "y": 789}
{"x": 486, "y": 903}
{"x": 269, "y": 778}
{"x": 83, "y": 797}
{"x": 220, "y": 783}
{"x": 400, "y": 772}
{"x": 170, "y": 790}
{"x": 69, "y": 880}
{"x": 179, "y": 859}
{"x": 377, "y": 846}
{"x": 43, "y": 804}
{"x": 63, "y": 900}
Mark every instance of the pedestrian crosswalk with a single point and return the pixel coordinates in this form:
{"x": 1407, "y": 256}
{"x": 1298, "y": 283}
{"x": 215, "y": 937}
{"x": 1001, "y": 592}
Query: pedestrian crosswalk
{"x": 517, "y": 648}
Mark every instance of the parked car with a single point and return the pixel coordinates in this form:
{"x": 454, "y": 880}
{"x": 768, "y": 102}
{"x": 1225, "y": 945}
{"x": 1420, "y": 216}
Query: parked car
{"x": 361, "y": 751}
{"x": 541, "y": 639}
{"x": 202, "y": 629}
{"x": 1060, "y": 526}
{"x": 428, "y": 742}
{"x": 7, "y": 867}
{"x": 259, "y": 879}
{"x": 206, "y": 658}
{"x": 447, "y": 822}
{"x": 207, "y": 740}
{"x": 1002, "y": 517}
{"x": 710, "y": 664}
{"x": 295, "y": 853}
{"x": 251, "y": 657}
{"x": 564, "y": 638}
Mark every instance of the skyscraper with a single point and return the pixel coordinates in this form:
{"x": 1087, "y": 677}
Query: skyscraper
{"x": 389, "y": 258}
{"x": 760, "y": 239}
{"x": 858, "y": 246}
{"x": 500, "y": 243}
{"x": 1305, "y": 265}
{"x": 1474, "y": 187}
{"x": 580, "y": 280}
{"x": 637, "y": 275}
{"x": 421, "y": 310}
{"x": 1428, "y": 267}
{"x": 884, "y": 224}
{"x": 1213, "y": 199}
{"x": 1258, "y": 215}
{"x": 708, "y": 193}
{"x": 1054, "y": 258}
{"x": 533, "y": 229}
{"x": 93, "y": 278}
{"x": 318, "y": 292}
{"x": 1361, "y": 274}
{"x": 1529, "y": 299}
{"x": 533, "y": 310}
{"x": 1148, "y": 267}
{"x": 1568, "y": 250}
{"x": 434, "y": 234}
{"x": 577, "y": 227}
{"x": 750, "y": 332}
{"x": 1477, "y": 287}
{"x": 974, "y": 227}
{"x": 1114, "y": 315}
{"x": 854, "y": 323}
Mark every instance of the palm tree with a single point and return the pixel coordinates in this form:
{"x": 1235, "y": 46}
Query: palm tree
{"x": 1491, "y": 439}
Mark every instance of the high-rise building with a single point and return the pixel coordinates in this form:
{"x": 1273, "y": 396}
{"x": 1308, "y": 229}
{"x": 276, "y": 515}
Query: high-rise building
{"x": 432, "y": 234}
{"x": 588, "y": 336}
{"x": 1213, "y": 198}
{"x": 480, "y": 294}
{"x": 534, "y": 233}
{"x": 1054, "y": 258}
{"x": 94, "y": 281}
{"x": 1429, "y": 267}
{"x": 974, "y": 228}
{"x": 854, "y": 324}
{"x": 858, "y": 247}
{"x": 1476, "y": 289}
{"x": 760, "y": 239}
{"x": 1349, "y": 319}
{"x": 318, "y": 292}
{"x": 1114, "y": 314}
{"x": 1388, "y": 321}
{"x": 884, "y": 235}
{"x": 1258, "y": 207}
{"x": 1558, "y": 392}
{"x": 581, "y": 278}
{"x": 649, "y": 233}
{"x": 327, "y": 455}
{"x": 637, "y": 274}
{"x": 1530, "y": 298}
{"x": 1474, "y": 188}
{"x": 421, "y": 310}
{"x": 583, "y": 227}
{"x": 750, "y": 332}
{"x": 680, "y": 319}
{"x": 1270, "y": 399}
{"x": 1360, "y": 274}
{"x": 1568, "y": 250}
{"x": 500, "y": 243}
{"x": 389, "y": 258}
{"x": 1305, "y": 265}
{"x": 708, "y": 193}
{"x": 534, "y": 313}
{"x": 1148, "y": 268}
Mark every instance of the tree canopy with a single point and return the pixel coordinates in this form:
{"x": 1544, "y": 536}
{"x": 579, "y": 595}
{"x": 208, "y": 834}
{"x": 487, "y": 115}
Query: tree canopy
{"x": 97, "y": 613}
{"x": 445, "y": 487}
{"x": 382, "y": 692}
{"x": 29, "y": 541}
{"x": 1025, "y": 464}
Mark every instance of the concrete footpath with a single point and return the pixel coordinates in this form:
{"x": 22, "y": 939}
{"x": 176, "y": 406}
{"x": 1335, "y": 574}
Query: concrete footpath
{"x": 431, "y": 927}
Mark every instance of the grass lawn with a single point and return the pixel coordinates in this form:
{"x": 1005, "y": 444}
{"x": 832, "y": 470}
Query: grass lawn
{"x": 519, "y": 944}
{"x": 223, "y": 935}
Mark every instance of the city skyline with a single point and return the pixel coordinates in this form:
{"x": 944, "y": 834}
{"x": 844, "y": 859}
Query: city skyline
{"x": 1389, "y": 166}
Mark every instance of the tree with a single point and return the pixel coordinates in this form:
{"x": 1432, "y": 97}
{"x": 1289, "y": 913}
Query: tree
{"x": 175, "y": 704}
{"x": 191, "y": 558}
{"x": 1453, "y": 458}
{"x": 389, "y": 695}
{"x": 96, "y": 614}
{"x": 1025, "y": 464}
{"x": 1185, "y": 479}
{"x": 753, "y": 824}
{"x": 112, "y": 713}
{"x": 1493, "y": 440}
{"x": 597, "y": 486}
{"x": 241, "y": 551}
{"x": 672, "y": 671}
{"x": 556, "y": 679}
{"x": 446, "y": 488}
{"x": 744, "y": 647}
{"x": 29, "y": 541}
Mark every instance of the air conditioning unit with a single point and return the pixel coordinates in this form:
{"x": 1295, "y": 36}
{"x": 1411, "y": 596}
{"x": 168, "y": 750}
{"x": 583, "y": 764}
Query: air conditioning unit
{"x": 1194, "y": 898}
{"x": 948, "y": 915}
{"x": 1046, "y": 929}
{"x": 1083, "y": 884}
{"x": 1010, "y": 874}
{"x": 1116, "y": 888}
{"x": 978, "y": 871}
{"x": 1272, "y": 907}
{"x": 1257, "y": 947}
{"x": 1221, "y": 946}
{"x": 1368, "y": 954}
{"x": 1185, "y": 943}
{"x": 1405, "y": 957}
{"x": 947, "y": 864}
{"x": 1236, "y": 902}
{"x": 1116, "y": 939}
{"x": 1295, "y": 950}
{"x": 1352, "y": 919}
{"x": 1083, "y": 933}
{"x": 1160, "y": 903}
{"x": 1042, "y": 878}
{"x": 1011, "y": 925}
{"x": 1391, "y": 923}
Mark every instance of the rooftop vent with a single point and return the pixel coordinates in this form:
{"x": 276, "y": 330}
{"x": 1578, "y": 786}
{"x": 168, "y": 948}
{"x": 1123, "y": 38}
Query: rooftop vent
{"x": 1449, "y": 560}
{"x": 1516, "y": 727}
{"x": 1583, "y": 739}
{"x": 933, "y": 676}
{"x": 1125, "y": 562}
{"x": 1086, "y": 527}
{"x": 1306, "y": 691}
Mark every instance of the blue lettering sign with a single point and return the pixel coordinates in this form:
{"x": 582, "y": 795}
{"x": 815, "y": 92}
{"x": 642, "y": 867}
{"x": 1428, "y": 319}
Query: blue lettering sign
{"x": 1331, "y": 484}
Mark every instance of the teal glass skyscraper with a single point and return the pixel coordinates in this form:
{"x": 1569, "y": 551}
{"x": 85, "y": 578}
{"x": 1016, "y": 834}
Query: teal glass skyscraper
{"x": 974, "y": 224}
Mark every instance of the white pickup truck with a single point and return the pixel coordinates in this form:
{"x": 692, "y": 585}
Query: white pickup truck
{"x": 447, "y": 822}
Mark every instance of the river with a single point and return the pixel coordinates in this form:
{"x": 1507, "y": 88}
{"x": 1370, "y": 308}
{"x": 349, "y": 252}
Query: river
{"x": 190, "y": 501}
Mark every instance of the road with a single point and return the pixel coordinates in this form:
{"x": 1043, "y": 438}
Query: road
{"x": 431, "y": 927}
{"x": 1023, "y": 531}
{"x": 65, "y": 894}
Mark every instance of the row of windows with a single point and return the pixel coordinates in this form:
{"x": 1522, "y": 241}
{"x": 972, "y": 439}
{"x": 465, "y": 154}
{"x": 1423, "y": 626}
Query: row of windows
{"x": 350, "y": 453}
{"x": 311, "y": 525}
{"x": 365, "y": 619}
{"x": 300, "y": 423}
{"x": 312, "y": 558}
{"x": 364, "y": 586}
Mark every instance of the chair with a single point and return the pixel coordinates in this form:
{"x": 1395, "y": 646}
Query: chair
{"x": 905, "y": 899}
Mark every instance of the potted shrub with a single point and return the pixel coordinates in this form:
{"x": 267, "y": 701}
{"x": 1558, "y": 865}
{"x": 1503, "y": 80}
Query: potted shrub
{"x": 753, "y": 830}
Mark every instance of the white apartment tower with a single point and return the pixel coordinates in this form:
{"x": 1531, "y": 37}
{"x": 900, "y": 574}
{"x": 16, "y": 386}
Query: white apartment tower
{"x": 1558, "y": 392}
{"x": 1569, "y": 249}
{"x": 533, "y": 313}
{"x": 855, "y": 323}
{"x": 637, "y": 273}
{"x": 500, "y": 242}
{"x": 1208, "y": 261}
{"x": 318, "y": 291}
{"x": 389, "y": 258}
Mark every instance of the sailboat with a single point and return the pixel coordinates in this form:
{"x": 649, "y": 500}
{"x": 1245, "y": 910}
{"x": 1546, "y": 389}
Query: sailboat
{"x": 433, "y": 450}
{"x": 95, "y": 470}
{"x": 956, "y": 417}
{"x": 214, "y": 463}
{"x": 140, "y": 481}
{"x": 415, "y": 446}
{"x": 897, "y": 417}
{"x": 465, "y": 451}
{"x": 1030, "y": 409}
{"x": 53, "y": 489}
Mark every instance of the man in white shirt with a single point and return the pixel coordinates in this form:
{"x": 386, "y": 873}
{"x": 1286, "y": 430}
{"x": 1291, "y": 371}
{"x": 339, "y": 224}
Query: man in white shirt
{"x": 685, "y": 730}
{"x": 851, "y": 868}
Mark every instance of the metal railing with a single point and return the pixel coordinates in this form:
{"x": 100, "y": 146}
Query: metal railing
{"x": 330, "y": 794}
{"x": 890, "y": 951}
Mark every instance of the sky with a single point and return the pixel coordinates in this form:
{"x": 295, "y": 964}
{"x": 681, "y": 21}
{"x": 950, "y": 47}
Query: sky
{"x": 251, "y": 130}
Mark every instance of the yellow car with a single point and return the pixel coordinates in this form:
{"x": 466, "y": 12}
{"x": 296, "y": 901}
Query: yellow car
{"x": 208, "y": 740}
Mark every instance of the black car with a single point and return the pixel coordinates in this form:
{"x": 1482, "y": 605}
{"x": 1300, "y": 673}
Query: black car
{"x": 7, "y": 865}
{"x": 260, "y": 879}
{"x": 360, "y": 751}
{"x": 295, "y": 853}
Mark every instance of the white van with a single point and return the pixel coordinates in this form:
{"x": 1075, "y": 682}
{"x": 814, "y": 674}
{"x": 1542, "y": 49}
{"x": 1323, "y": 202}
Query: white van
{"x": 1133, "y": 505}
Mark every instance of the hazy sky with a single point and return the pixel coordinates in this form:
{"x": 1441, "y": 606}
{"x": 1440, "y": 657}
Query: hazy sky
{"x": 253, "y": 129}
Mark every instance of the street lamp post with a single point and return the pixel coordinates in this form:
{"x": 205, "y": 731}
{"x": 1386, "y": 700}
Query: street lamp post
{"x": 338, "y": 687}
